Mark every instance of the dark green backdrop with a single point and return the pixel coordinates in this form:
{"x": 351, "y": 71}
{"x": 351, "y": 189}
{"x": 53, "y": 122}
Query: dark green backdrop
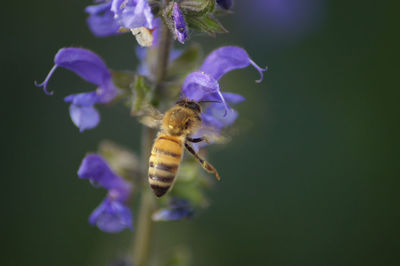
{"x": 312, "y": 178}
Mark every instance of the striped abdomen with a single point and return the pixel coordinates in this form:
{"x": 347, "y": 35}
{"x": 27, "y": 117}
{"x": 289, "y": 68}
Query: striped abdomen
{"x": 164, "y": 162}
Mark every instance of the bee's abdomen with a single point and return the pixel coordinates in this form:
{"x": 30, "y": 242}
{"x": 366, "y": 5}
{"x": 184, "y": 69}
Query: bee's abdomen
{"x": 164, "y": 162}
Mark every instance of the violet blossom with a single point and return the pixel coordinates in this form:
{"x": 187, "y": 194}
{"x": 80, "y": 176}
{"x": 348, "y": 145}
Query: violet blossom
{"x": 177, "y": 209}
{"x": 101, "y": 20}
{"x": 203, "y": 85}
{"x": 180, "y": 28}
{"x": 112, "y": 215}
{"x": 132, "y": 14}
{"x": 90, "y": 67}
{"x": 107, "y": 18}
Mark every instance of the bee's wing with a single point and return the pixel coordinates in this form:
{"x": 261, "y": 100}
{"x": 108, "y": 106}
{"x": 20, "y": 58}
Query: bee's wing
{"x": 212, "y": 136}
{"x": 150, "y": 116}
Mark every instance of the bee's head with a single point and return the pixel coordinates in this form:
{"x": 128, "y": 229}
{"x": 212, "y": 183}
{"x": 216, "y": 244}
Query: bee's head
{"x": 193, "y": 105}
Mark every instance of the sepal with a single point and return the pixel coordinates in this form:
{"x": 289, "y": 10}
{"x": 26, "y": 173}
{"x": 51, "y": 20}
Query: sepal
{"x": 191, "y": 183}
{"x": 207, "y": 24}
{"x": 123, "y": 80}
{"x": 142, "y": 94}
{"x": 197, "y": 7}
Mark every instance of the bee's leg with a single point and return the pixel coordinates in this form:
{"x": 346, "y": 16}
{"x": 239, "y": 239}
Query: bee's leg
{"x": 203, "y": 163}
{"x": 197, "y": 140}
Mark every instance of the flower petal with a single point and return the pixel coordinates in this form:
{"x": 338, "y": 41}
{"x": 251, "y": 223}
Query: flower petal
{"x": 111, "y": 216}
{"x": 233, "y": 98}
{"x": 198, "y": 86}
{"x": 84, "y": 63}
{"x": 157, "y": 26}
{"x": 84, "y": 117}
{"x": 181, "y": 31}
{"x": 177, "y": 209}
{"x": 228, "y": 58}
{"x": 101, "y": 20}
{"x": 83, "y": 99}
{"x": 96, "y": 169}
{"x": 107, "y": 92}
{"x": 132, "y": 14}
{"x": 215, "y": 116}
{"x": 89, "y": 66}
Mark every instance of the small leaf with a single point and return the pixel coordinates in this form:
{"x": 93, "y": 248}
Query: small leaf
{"x": 123, "y": 80}
{"x": 142, "y": 94}
{"x": 191, "y": 183}
{"x": 197, "y": 7}
{"x": 180, "y": 256}
{"x": 206, "y": 24}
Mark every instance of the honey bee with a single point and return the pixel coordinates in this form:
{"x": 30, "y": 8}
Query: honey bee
{"x": 178, "y": 125}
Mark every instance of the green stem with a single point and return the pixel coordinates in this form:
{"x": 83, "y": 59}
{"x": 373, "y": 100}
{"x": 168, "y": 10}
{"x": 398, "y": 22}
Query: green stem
{"x": 142, "y": 240}
{"x": 162, "y": 63}
{"x": 144, "y": 226}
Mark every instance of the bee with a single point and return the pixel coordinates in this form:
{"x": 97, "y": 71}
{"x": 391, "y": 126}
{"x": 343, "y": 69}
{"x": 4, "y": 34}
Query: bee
{"x": 177, "y": 127}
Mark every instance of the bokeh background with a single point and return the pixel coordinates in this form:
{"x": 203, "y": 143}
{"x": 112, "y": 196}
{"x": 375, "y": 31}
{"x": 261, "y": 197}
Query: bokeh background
{"x": 312, "y": 178}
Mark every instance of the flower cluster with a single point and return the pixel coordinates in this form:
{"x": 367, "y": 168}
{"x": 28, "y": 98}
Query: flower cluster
{"x": 145, "y": 20}
{"x": 117, "y": 16}
{"x": 109, "y": 17}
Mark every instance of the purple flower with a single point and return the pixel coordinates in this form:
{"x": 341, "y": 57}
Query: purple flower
{"x": 90, "y": 67}
{"x": 204, "y": 86}
{"x": 96, "y": 169}
{"x": 214, "y": 115}
{"x": 112, "y": 215}
{"x": 109, "y": 17}
{"x": 225, "y": 4}
{"x": 101, "y": 20}
{"x": 177, "y": 209}
{"x": 180, "y": 28}
{"x": 132, "y": 14}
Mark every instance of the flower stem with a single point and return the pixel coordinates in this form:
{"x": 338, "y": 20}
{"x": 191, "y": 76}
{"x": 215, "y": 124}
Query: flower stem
{"x": 142, "y": 240}
{"x": 144, "y": 227}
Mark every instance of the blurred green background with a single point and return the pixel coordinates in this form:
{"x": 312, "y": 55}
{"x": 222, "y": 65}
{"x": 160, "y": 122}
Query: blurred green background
{"x": 312, "y": 178}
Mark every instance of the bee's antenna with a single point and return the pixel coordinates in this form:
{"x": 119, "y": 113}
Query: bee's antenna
{"x": 209, "y": 101}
